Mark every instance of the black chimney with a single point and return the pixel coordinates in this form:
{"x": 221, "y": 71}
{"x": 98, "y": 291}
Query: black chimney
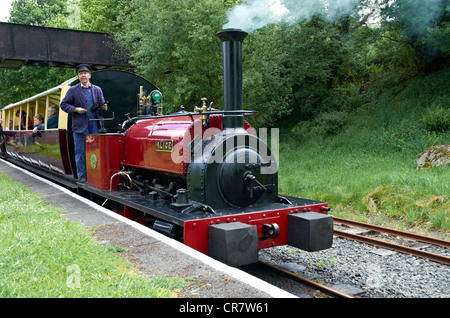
{"x": 232, "y": 76}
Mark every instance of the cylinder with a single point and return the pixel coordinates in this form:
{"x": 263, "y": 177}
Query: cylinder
{"x": 232, "y": 76}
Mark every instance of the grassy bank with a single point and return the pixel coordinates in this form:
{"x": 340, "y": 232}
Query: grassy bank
{"x": 44, "y": 255}
{"x": 365, "y": 186}
{"x": 365, "y": 167}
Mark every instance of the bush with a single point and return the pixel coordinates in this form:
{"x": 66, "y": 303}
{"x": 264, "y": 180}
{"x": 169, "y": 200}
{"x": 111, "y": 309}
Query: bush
{"x": 331, "y": 123}
{"x": 436, "y": 118}
{"x": 324, "y": 124}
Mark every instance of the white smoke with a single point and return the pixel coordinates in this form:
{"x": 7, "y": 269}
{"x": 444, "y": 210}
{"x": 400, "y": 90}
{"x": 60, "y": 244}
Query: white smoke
{"x": 254, "y": 14}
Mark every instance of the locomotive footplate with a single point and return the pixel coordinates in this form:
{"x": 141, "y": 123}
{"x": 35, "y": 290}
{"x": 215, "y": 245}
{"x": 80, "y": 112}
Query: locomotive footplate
{"x": 299, "y": 222}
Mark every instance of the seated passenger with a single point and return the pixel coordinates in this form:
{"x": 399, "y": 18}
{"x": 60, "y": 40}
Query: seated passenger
{"x": 52, "y": 121}
{"x": 38, "y": 124}
{"x": 23, "y": 121}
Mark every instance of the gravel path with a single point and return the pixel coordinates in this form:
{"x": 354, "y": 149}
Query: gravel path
{"x": 347, "y": 262}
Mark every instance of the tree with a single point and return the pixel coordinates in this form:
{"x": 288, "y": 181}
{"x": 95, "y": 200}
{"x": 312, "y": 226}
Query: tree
{"x": 173, "y": 44}
{"x": 95, "y": 15}
{"x": 29, "y": 80}
{"x": 295, "y": 71}
{"x": 37, "y": 12}
{"x": 102, "y": 15}
{"x": 423, "y": 27}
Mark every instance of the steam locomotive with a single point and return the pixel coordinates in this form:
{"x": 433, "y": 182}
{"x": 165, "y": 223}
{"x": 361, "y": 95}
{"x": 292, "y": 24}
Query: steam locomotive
{"x": 201, "y": 177}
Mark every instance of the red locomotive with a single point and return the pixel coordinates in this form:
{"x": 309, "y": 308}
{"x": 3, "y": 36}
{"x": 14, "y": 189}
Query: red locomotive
{"x": 202, "y": 177}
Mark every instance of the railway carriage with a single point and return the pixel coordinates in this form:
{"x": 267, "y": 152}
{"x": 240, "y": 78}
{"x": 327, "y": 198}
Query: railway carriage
{"x": 201, "y": 177}
{"x": 50, "y": 151}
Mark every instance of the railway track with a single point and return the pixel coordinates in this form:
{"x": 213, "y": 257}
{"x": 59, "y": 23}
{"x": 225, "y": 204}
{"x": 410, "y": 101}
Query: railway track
{"x": 392, "y": 246}
{"x": 303, "y": 280}
{"x": 330, "y": 291}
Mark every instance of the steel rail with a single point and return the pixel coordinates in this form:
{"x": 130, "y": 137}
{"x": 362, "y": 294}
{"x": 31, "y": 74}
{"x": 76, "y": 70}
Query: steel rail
{"x": 306, "y": 280}
{"x": 400, "y": 248}
{"x": 417, "y": 237}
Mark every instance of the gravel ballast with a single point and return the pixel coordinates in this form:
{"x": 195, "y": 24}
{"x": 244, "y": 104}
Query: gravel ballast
{"x": 355, "y": 264}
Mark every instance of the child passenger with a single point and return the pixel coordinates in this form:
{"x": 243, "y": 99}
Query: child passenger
{"x": 38, "y": 124}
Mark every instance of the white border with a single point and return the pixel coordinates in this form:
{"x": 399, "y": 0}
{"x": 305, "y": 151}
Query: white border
{"x": 248, "y": 279}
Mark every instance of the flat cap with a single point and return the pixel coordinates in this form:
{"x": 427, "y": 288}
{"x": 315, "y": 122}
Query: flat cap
{"x": 83, "y": 67}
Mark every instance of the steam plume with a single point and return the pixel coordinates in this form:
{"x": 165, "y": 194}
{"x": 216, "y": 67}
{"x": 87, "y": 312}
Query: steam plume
{"x": 254, "y": 14}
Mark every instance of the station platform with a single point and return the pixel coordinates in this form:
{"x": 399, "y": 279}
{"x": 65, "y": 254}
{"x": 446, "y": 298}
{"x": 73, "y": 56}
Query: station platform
{"x": 153, "y": 253}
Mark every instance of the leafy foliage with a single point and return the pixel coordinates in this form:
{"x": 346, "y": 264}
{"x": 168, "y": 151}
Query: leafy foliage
{"x": 37, "y": 12}
{"x": 29, "y": 81}
{"x": 329, "y": 63}
{"x": 436, "y": 118}
{"x": 176, "y": 47}
{"x": 422, "y": 28}
{"x": 300, "y": 68}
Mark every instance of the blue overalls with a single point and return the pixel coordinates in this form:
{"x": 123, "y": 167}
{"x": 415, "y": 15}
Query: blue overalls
{"x": 92, "y": 128}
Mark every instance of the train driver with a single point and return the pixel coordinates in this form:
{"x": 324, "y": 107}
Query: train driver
{"x": 83, "y": 101}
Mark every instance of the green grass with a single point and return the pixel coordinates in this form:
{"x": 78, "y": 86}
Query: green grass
{"x": 357, "y": 184}
{"x": 44, "y": 255}
{"x": 366, "y": 170}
